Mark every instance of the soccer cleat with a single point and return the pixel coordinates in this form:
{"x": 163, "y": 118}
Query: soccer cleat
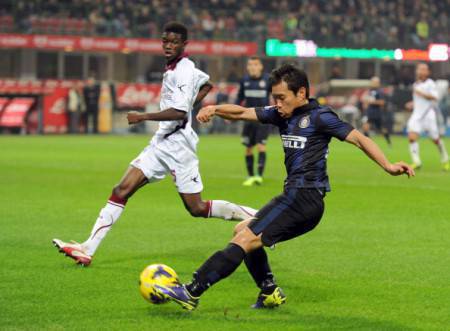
{"x": 275, "y": 299}
{"x": 179, "y": 294}
{"x": 250, "y": 181}
{"x": 416, "y": 166}
{"x": 73, "y": 250}
{"x": 446, "y": 166}
{"x": 258, "y": 180}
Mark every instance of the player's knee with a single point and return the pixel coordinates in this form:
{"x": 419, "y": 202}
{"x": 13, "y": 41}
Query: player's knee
{"x": 247, "y": 239}
{"x": 122, "y": 190}
{"x": 197, "y": 210}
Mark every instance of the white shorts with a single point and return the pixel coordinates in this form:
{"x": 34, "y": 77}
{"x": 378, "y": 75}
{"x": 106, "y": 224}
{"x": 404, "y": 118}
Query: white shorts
{"x": 427, "y": 123}
{"x": 175, "y": 155}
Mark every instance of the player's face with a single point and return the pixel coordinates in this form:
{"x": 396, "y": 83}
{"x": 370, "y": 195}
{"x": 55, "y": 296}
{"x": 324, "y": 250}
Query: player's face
{"x": 173, "y": 45}
{"x": 422, "y": 71}
{"x": 254, "y": 68}
{"x": 286, "y": 100}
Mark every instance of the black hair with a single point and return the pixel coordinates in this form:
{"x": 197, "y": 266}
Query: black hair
{"x": 294, "y": 77}
{"x": 255, "y": 58}
{"x": 176, "y": 27}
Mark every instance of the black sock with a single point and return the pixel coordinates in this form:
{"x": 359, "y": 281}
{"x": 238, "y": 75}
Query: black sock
{"x": 261, "y": 163}
{"x": 387, "y": 136}
{"x": 366, "y": 133}
{"x": 258, "y": 266}
{"x": 249, "y": 163}
{"x": 219, "y": 266}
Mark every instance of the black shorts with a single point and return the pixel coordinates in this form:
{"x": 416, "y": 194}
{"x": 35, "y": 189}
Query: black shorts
{"x": 289, "y": 215}
{"x": 255, "y": 133}
{"x": 375, "y": 122}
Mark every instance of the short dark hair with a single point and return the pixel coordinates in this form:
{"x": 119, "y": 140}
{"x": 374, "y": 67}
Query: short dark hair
{"x": 254, "y": 58}
{"x": 176, "y": 27}
{"x": 294, "y": 77}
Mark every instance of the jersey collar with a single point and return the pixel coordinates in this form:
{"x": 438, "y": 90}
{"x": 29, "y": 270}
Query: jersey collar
{"x": 172, "y": 64}
{"x": 312, "y": 104}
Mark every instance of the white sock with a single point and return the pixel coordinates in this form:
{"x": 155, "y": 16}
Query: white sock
{"x": 108, "y": 216}
{"x": 230, "y": 211}
{"x": 414, "y": 150}
{"x": 442, "y": 150}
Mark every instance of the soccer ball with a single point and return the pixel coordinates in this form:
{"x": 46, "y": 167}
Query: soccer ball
{"x": 156, "y": 274}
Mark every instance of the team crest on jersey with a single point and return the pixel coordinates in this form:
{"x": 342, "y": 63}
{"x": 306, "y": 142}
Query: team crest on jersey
{"x": 262, "y": 84}
{"x": 304, "y": 122}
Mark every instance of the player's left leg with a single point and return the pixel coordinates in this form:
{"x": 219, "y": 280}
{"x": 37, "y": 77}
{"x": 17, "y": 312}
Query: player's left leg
{"x": 432, "y": 127}
{"x": 443, "y": 152}
{"x": 226, "y": 210}
{"x": 262, "y": 135}
{"x": 291, "y": 214}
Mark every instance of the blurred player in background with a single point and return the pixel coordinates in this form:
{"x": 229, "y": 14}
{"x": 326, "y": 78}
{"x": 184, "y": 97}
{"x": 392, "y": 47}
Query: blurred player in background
{"x": 375, "y": 111}
{"x": 306, "y": 129}
{"x": 172, "y": 150}
{"x": 254, "y": 92}
{"x": 424, "y": 116}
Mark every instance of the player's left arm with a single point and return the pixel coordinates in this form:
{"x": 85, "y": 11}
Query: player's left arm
{"x": 203, "y": 92}
{"x": 430, "y": 92}
{"x": 371, "y": 149}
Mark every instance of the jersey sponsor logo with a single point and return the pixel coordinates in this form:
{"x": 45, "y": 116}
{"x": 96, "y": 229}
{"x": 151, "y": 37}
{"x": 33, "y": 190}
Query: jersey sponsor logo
{"x": 255, "y": 93}
{"x": 304, "y": 122}
{"x": 296, "y": 142}
{"x": 180, "y": 87}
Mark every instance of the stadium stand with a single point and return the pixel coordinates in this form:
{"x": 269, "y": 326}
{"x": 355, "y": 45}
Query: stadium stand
{"x": 355, "y": 23}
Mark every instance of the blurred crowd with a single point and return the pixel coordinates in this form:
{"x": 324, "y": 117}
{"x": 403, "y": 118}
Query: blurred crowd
{"x": 332, "y": 23}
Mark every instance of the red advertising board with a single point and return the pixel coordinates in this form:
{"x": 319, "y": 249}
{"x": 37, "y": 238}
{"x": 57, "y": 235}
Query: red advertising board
{"x": 15, "y": 112}
{"x": 104, "y": 44}
{"x": 54, "y": 111}
{"x": 3, "y": 103}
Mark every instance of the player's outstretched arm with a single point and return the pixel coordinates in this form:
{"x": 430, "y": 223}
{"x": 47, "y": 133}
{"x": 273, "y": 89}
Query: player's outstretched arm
{"x": 203, "y": 92}
{"x": 227, "y": 111}
{"x": 170, "y": 114}
{"x": 372, "y": 150}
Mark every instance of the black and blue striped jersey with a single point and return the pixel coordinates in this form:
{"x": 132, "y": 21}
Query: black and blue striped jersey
{"x": 305, "y": 137}
{"x": 254, "y": 92}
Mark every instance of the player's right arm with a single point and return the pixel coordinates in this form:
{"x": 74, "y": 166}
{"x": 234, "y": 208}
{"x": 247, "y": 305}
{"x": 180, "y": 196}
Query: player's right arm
{"x": 227, "y": 111}
{"x": 170, "y": 114}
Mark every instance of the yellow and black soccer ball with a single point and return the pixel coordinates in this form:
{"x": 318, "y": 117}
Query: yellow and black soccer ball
{"x": 156, "y": 274}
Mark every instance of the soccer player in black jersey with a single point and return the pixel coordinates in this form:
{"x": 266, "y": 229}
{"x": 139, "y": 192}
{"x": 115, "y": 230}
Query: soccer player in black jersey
{"x": 306, "y": 129}
{"x": 254, "y": 92}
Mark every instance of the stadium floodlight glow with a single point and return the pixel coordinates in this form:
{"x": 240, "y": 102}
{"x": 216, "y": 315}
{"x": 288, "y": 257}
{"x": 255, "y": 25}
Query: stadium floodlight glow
{"x": 438, "y": 52}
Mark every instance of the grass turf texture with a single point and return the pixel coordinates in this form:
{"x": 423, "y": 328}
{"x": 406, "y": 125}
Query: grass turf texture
{"x": 378, "y": 260}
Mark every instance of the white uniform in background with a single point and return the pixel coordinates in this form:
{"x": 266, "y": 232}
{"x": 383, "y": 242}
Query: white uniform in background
{"x": 424, "y": 117}
{"x": 173, "y": 147}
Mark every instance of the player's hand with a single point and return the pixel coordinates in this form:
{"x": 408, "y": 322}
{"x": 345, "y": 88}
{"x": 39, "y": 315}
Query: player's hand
{"x": 205, "y": 114}
{"x": 400, "y": 168}
{"x": 134, "y": 117}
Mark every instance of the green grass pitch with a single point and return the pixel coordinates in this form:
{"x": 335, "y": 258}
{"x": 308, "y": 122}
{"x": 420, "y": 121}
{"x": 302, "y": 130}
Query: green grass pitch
{"x": 379, "y": 259}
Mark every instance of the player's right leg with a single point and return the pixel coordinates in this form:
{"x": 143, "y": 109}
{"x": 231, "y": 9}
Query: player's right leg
{"x": 248, "y": 140}
{"x": 133, "y": 179}
{"x": 414, "y": 128}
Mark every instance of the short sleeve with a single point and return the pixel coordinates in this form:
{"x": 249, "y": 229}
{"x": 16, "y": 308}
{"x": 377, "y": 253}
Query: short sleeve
{"x": 330, "y": 124}
{"x": 268, "y": 115}
{"x": 185, "y": 87}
